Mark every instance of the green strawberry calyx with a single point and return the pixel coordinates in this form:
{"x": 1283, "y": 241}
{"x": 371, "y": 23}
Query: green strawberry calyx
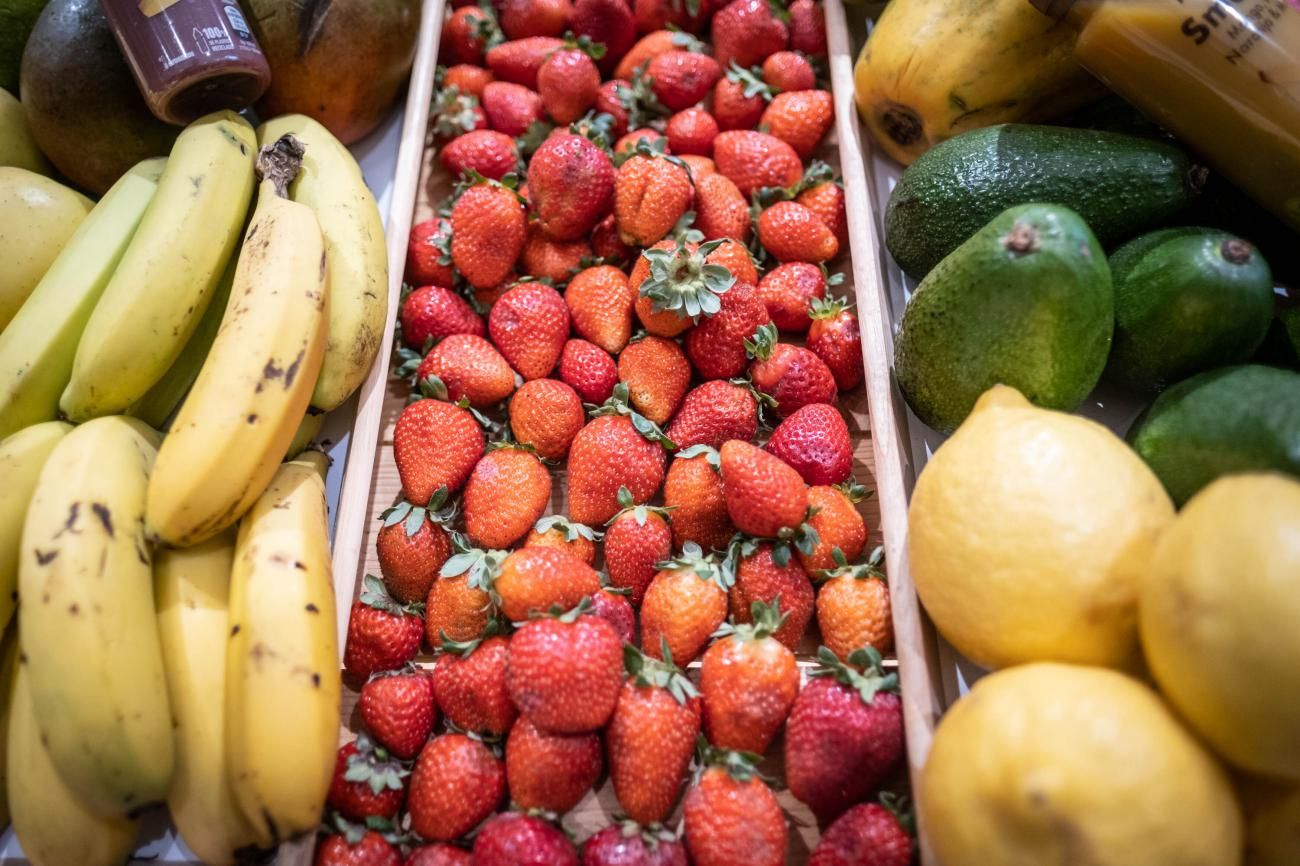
{"x": 760, "y": 345}
{"x": 863, "y": 672}
{"x": 702, "y": 565}
{"x": 901, "y": 808}
{"x": 638, "y": 99}
{"x": 870, "y": 568}
{"x": 571, "y": 531}
{"x": 827, "y": 308}
{"x": 659, "y": 673}
{"x": 741, "y": 766}
{"x": 751, "y": 80}
{"x": 639, "y": 512}
{"x": 584, "y": 43}
{"x": 438, "y": 510}
{"x": 372, "y": 765}
{"x": 375, "y": 594}
{"x": 766, "y": 621}
{"x": 596, "y": 127}
{"x": 817, "y": 173}
{"x": 620, "y": 404}
{"x": 453, "y": 113}
{"x": 355, "y": 831}
{"x": 653, "y": 835}
{"x": 464, "y": 648}
{"x": 481, "y": 566}
{"x": 708, "y": 452}
{"x": 684, "y": 282}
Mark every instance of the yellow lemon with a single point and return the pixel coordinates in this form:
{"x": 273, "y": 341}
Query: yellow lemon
{"x": 1272, "y": 822}
{"x": 1220, "y": 620}
{"x": 1062, "y": 765}
{"x": 1029, "y": 532}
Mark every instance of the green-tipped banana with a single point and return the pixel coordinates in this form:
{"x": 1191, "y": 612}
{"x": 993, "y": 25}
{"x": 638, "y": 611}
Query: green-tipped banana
{"x": 22, "y": 456}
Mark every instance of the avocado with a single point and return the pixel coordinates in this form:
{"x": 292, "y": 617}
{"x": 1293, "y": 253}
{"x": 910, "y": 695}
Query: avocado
{"x": 81, "y": 101}
{"x": 1186, "y": 300}
{"x": 1234, "y": 419}
{"x": 1121, "y": 185}
{"x": 17, "y": 17}
{"x": 1281, "y": 346}
{"x": 1026, "y": 302}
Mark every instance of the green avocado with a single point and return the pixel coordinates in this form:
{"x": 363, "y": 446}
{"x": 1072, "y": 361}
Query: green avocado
{"x": 17, "y": 18}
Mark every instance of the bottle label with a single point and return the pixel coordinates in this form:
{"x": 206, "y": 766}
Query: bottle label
{"x": 1237, "y": 26}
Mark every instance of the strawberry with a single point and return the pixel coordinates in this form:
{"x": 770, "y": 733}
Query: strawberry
{"x": 457, "y": 782}
{"x": 454, "y": 113}
{"x": 628, "y": 844}
{"x": 788, "y": 70}
{"x": 838, "y": 524}
{"x": 511, "y": 108}
{"x": 564, "y": 671}
{"x": 835, "y": 338}
{"x": 533, "y": 579}
{"x": 787, "y": 290}
{"x": 588, "y": 370}
{"x": 684, "y": 604}
{"x": 691, "y": 131}
{"x": 382, "y": 634}
{"x": 657, "y": 375}
{"x": 628, "y": 143}
{"x": 638, "y": 538}
{"x": 609, "y": 102}
{"x": 814, "y": 440}
{"x": 676, "y": 283}
{"x": 753, "y": 160}
{"x": 439, "y": 854}
{"x": 557, "y": 531}
{"x": 792, "y": 233}
{"x": 651, "y": 737}
{"x": 608, "y": 22}
{"x": 808, "y": 28}
{"x": 518, "y": 60}
{"x": 606, "y": 243}
{"x": 748, "y": 682}
{"x": 529, "y": 325}
{"x": 700, "y": 166}
{"x": 506, "y": 494}
{"x": 714, "y": 412}
{"x": 730, "y": 816}
{"x": 366, "y": 782}
{"x": 720, "y": 210}
{"x": 363, "y": 848}
{"x": 767, "y": 573}
{"x": 513, "y": 839}
{"x": 568, "y": 82}
{"x": 459, "y": 606}
{"x": 428, "y": 254}
{"x": 693, "y": 489}
{"x": 844, "y": 734}
{"x": 716, "y": 345}
{"x": 484, "y": 299}
{"x": 545, "y": 415}
{"x": 412, "y": 545}
{"x": 463, "y": 36}
{"x": 613, "y": 607}
{"x": 399, "y": 711}
{"x": 656, "y": 41}
{"x": 551, "y": 772}
{"x": 571, "y": 182}
{"x": 465, "y": 366}
{"x": 747, "y": 32}
{"x": 651, "y": 193}
{"x": 764, "y": 495}
{"x": 601, "y": 303}
{"x": 432, "y": 312}
{"x": 737, "y": 103}
{"x": 469, "y": 683}
{"x": 791, "y": 375}
{"x": 523, "y": 18}
{"x": 618, "y": 448}
{"x": 681, "y": 79}
{"x": 853, "y": 607}
{"x": 490, "y": 153}
{"x": 800, "y": 118}
{"x": 488, "y": 228}
{"x": 547, "y": 259}
{"x": 653, "y": 15}
{"x": 826, "y": 199}
{"x": 868, "y": 834}
{"x": 467, "y": 78}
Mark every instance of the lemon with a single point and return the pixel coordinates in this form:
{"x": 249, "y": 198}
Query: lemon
{"x": 1061, "y": 765}
{"x": 1272, "y": 822}
{"x": 1220, "y": 620}
{"x": 1030, "y": 530}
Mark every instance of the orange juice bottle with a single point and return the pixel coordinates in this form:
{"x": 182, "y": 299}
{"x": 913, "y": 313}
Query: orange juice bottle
{"x": 1222, "y": 75}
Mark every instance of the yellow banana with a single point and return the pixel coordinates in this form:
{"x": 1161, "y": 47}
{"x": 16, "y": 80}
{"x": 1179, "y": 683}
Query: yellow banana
{"x": 331, "y": 184}
{"x": 51, "y": 824}
{"x": 192, "y": 589}
{"x": 282, "y": 680}
{"x": 8, "y": 661}
{"x": 308, "y": 429}
{"x": 86, "y": 618}
{"x": 170, "y": 270}
{"x": 21, "y": 457}
{"x": 246, "y": 404}
{"x": 37, "y": 348}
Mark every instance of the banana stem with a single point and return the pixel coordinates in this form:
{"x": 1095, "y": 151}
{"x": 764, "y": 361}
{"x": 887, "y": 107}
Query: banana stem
{"x": 280, "y": 161}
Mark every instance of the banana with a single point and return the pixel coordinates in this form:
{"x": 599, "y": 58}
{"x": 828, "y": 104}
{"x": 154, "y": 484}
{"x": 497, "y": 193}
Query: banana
{"x": 246, "y": 404}
{"x": 331, "y": 184}
{"x": 308, "y": 429}
{"x": 86, "y": 618}
{"x": 192, "y": 589}
{"x": 170, "y": 270}
{"x": 282, "y": 680}
{"x": 21, "y": 457}
{"x": 37, "y": 348}
{"x": 8, "y": 660}
{"x": 51, "y": 824}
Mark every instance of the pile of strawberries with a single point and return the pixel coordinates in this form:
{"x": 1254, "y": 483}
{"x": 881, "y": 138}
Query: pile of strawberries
{"x": 629, "y": 284}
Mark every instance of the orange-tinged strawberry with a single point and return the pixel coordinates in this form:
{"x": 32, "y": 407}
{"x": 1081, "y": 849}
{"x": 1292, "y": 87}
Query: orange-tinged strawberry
{"x": 547, "y": 259}
{"x": 764, "y": 495}
{"x": 412, "y": 546}
{"x": 692, "y": 132}
{"x": 814, "y": 440}
{"x": 565, "y": 671}
{"x": 506, "y": 494}
{"x": 791, "y": 375}
{"x": 730, "y": 816}
{"x": 428, "y": 254}
{"x": 840, "y": 527}
{"x": 435, "y": 445}
{"x": 788, "y": 70}
{"x": 488, "y": 228}
{"x": 717, "y": 345}
{"x": 469, "y": 685}
{"x": 467, "y": 78}
{"x": 568, "y": 82}
{"x": 681, "y": 79}
{"x": 459, "y": 607}
{"x": 733, "y": 256}
{"x": 469, "y": 367}
{"x": 551, "y": 772}
{"x": 518, "y": 60}
{"x": 657, "y": 375}
{"x": 532, "y": 579}
{"x": 693, "y": 490}
{"x": 800, "y": 118}
{"x": 836, "y": 339}
{"x": 601, "y": 303}
{"x": 571, "y": 182}
{"x": 754, "y": 160}
{"x": 747, "y": 32}
{"x": 684, "y": 604}
{"x": 714, "y": 412}
{"x": 651, "y": 192}
{"x": 457, "y": 782}
{"x": 770, "y": 574}
{"x": 787, "y": 290}
{"x": 748, "y": 682}
{"x": 826, "y": 199}
{"x": 679, "y": 281}
{"x": 628, "y": 142}
{"x": 636, "y": 540}
{"x": 792, "y": 233}
{"x": 720, "y": 210}
{"x": 808, "y": 28}
{"x": 463, "y": 36}
{"x": 618, "y": 448}
{"x": 853, "y": 606}
{"x": 700, "y": 166}
{"x": 557, "y": 531}
{"x": 510, "y": 108}
{"x": 431, "y": 313}
{"x": 523, "y": 18}
{"x": 545, "y": 415}
{"x": 656, "y": 42}
{"x": 490, "y": 153}
{"x": 737, "y": 104}
{"x": 608, "y": 22}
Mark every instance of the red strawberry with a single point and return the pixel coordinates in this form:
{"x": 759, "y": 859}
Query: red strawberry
{"x": 366, "y": 783}
{"x": 618, "y": 448}
{"x": 748, "y": 682}
{"x": 637, "y": 540}
{"x": 768, "y": 573}
{"x": 788, "y": 70}
{"x": 693, "y": 489}
{"x": 535, "y": 579}
{"x": 370, "y": 848}
{"x": 826, "y": 199}
{"x": 808, "y": 28}
{"x": 628, "y": 844}
{"x": 764, "y": 495}
{"x": 457, "y": 782}
{"x": 814, "y": 440}
{"x": 657, "y": 375}
{"x": 518, "y": 60}
{"x": 463, "y": 36}
{"x": 684, "y": 604}
{"x": 545, "y": 415}
{"x": 530, "y": 324}
{"x": 551, "y": 772}
{"x": 613, "y": 607}
{"x": 571, "y": 183}
{"x": 730, "y": 816}
{"x": 564, "y": 672}
{"x": 428, "y": 254}
{"x": 488, "y": 228}
{"x": 568, "y": 83}
{"x": 700, "y": 166}
{"x": 629, "y": 142}
{"x": 753, "y": 160}
{"x": 438, "y": 855}
{"x": 653, "y": 15}
{"x": 412, "y": 546}
{"x": 747, "y": 32}
{"x": 606, "y": 243}
{"x": 511, "y": 108}
{"x": 656, "y": 40}
{"x": 651, "y": 738}
{"x": 469, "y": 683}
{"x": 506, "y": 494}
{"x": 651, "y": 193}
{"x": 576, "y": 539}
{"x": 791, "y": 375}
{"x": 787, "y": 291}
{"x": 432, "y": 312}
{"x": 548, "y": 259}
{"x": 609, "y": 102}
{"x": 844, "y": 734}
{"x": 714, "y": 412}
{"x": 608, "y": 22}
{"x": 588, "y": 370}
{"x": 800, "y": 118}
{"x": 720, "y": 210}
{"x": 677, "y": 282}
{"x": 435, "y": 445}
{"x": 737, "y": 104}
{"x": 490, "y": 153}
{"x": 681, "y": 79}
{"x": 513, "y": 839}
{"x": 792, "y": 233}
{"x": 459, "y": 606}
{"x": 399, "y": 711}
{"x": 716, "y": 345}
{"x": 835, "y": 338}
{"x": 601, "y": 303}
{"x": 692, "y": 132}
{"x": 866, "y": 835}
{"x": 382, "y": 634}
{"x": 523, "y": 18}
{"x": 466, "y": 78}
{"x": 469, "y": 367}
